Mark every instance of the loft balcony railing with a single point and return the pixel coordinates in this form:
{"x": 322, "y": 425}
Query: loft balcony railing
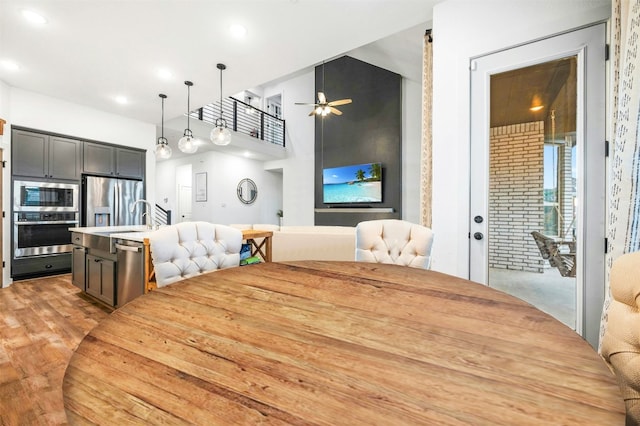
{"x": 162, "y": 217}
{"x": 244, "y": 118}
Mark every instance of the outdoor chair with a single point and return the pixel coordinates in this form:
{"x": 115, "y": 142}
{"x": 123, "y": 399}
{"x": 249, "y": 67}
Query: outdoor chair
{"x": 550, "y": 250}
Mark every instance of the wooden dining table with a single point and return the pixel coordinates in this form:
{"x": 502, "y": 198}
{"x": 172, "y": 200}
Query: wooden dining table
{"x": 336, "y": 343}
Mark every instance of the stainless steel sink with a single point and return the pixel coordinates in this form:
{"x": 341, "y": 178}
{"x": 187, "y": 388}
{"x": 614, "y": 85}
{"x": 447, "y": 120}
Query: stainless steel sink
{"x": 99, "y": 240}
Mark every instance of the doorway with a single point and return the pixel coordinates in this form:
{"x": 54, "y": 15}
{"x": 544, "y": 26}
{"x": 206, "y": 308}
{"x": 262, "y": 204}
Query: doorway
{"x": 184, "y": 193}
{"x": 537, "y": 216}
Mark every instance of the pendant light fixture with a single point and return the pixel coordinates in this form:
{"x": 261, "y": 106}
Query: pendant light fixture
{"x": 163, "y": 150}
{"x": 220, "y": 135}
{"x": 187, "y": 143}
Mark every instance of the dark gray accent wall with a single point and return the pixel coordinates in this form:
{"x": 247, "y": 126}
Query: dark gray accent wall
{"x": 368, "y": 131}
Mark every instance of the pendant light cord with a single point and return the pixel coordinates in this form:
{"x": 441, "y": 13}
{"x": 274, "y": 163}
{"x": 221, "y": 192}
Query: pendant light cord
{"x": 188, "y": 105}
{"x": 221, "y": 95}
{"x": 162, "y": 121}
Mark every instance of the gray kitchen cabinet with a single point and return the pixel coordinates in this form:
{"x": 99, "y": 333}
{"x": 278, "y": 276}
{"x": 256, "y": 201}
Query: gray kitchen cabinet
{"x": 130, "y": 163}
{"x": 113, "y": 161}
{"x": 100, "y": 281}
{"x": 78, "y": 266}
{"x": 45, "y": 156}
{"x": 98, "y": 159}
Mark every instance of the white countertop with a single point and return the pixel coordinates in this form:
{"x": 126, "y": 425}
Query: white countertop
{"x": 108, "y": 229}
{"x": 132, "y": 236}
{"x": 132, "y": 233}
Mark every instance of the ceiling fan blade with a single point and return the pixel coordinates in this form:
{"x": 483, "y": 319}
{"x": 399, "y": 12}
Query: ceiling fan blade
{"x": 340, "y": 102}
{"x": 313, "y": 112}
{"x": 302, "y": 103}
{"x": 335, "y": 111}
{"x": 321, "y": 98}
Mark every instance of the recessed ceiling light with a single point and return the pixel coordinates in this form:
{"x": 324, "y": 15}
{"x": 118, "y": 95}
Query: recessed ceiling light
{"x": 247, "y": 154}
{"x": 33, "y": 17}
{"x": 164, "y": 74}
{"x": 10, "y": 65}
{"x": 121, "y": 100}
{"x": 238, "y": 30}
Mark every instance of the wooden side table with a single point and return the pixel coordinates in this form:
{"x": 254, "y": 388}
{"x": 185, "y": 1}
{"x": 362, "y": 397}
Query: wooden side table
{"x": 250, "y": 235}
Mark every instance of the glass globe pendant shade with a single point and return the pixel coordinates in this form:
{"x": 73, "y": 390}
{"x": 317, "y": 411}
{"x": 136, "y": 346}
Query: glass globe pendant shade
{"x": 163, "y": 150}
{"x": 187, "y": 143}
{"x": 221, "y": 136}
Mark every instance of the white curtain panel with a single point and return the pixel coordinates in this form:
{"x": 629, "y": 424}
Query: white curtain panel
{"x": 624, "y": 188}
{"x": 427, "y": 108}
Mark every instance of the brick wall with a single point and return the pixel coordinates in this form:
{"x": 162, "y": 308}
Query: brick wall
{"x": 515, "y": 196}
{"x": 568, "y": 190}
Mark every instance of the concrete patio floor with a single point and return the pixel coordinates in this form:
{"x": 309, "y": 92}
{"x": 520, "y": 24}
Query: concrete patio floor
{"x": 550, "y": 292}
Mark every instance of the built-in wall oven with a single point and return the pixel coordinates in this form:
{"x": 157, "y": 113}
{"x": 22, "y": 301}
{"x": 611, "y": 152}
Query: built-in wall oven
{"x": 42, "y": 233}
{"x": 42, "y": 214}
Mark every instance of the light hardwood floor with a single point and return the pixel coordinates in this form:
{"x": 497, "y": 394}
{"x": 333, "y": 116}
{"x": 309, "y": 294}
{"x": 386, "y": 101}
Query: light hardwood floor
{"x": 42, "y": 321}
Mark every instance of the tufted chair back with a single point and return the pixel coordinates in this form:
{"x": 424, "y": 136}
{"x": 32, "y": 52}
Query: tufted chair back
{"x": 621, "y": 342}
{"x": 190, "y": 248}
{"x": 394, "y": 241}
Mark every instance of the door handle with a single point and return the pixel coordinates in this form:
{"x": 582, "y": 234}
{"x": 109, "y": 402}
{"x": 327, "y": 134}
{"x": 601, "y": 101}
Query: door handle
{"x": 128, "y": 248}
{"x": 478, "y": 236}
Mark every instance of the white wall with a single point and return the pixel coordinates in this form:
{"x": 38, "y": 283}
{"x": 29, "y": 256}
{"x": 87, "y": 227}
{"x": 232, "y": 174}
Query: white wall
{"x": 5, "y": 145}
{"x": 298, "y": 167}
{"x": 224, "y": 172}
{"x": 32, "y": 110}
{"x": 464, "y": 29}
{"x": 411, "y": 148}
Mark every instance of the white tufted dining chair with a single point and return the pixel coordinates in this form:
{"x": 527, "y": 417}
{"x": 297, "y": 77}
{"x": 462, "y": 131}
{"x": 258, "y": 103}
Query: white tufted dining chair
{"x": 190, "y": 248}
{"x": 394, "y": 241}
{"x": 620, "y": 345}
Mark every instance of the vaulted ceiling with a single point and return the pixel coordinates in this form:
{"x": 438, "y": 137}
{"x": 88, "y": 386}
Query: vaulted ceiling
{"x": 90, "y": 51}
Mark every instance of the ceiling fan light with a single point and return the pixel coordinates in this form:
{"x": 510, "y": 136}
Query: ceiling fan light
{"x": 187, "y": 143}
{"x": 318, "y": 110}
{"x": 326, "y": 111}
{"x": 220, "y": 136}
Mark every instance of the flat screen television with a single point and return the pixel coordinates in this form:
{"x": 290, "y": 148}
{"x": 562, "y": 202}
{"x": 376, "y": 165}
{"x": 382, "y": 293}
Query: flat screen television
{"x": 358, "y": 183}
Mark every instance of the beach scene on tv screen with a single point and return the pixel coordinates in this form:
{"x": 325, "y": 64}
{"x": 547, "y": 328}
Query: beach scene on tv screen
{"x": 359, "y": 183}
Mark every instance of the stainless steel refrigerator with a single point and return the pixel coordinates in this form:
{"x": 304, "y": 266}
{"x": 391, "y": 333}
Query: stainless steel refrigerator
{"x": 108, "y": 201}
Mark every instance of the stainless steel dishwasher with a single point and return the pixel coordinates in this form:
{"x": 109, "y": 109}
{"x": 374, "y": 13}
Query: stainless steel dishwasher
{"x": 130, "y": 270}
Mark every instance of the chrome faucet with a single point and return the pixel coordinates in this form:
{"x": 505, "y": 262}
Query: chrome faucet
{"x": 147, "y": 212}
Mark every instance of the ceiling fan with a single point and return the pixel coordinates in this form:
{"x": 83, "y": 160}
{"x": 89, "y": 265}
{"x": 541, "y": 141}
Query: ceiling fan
{"x": 322, "y": 107}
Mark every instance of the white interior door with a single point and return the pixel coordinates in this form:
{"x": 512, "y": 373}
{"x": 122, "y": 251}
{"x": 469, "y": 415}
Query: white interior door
{"x": 587, "y": 47}
{"x": 185, "y": 201}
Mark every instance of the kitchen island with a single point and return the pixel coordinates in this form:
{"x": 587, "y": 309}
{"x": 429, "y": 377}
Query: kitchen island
{"x": 111, "y": 264}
